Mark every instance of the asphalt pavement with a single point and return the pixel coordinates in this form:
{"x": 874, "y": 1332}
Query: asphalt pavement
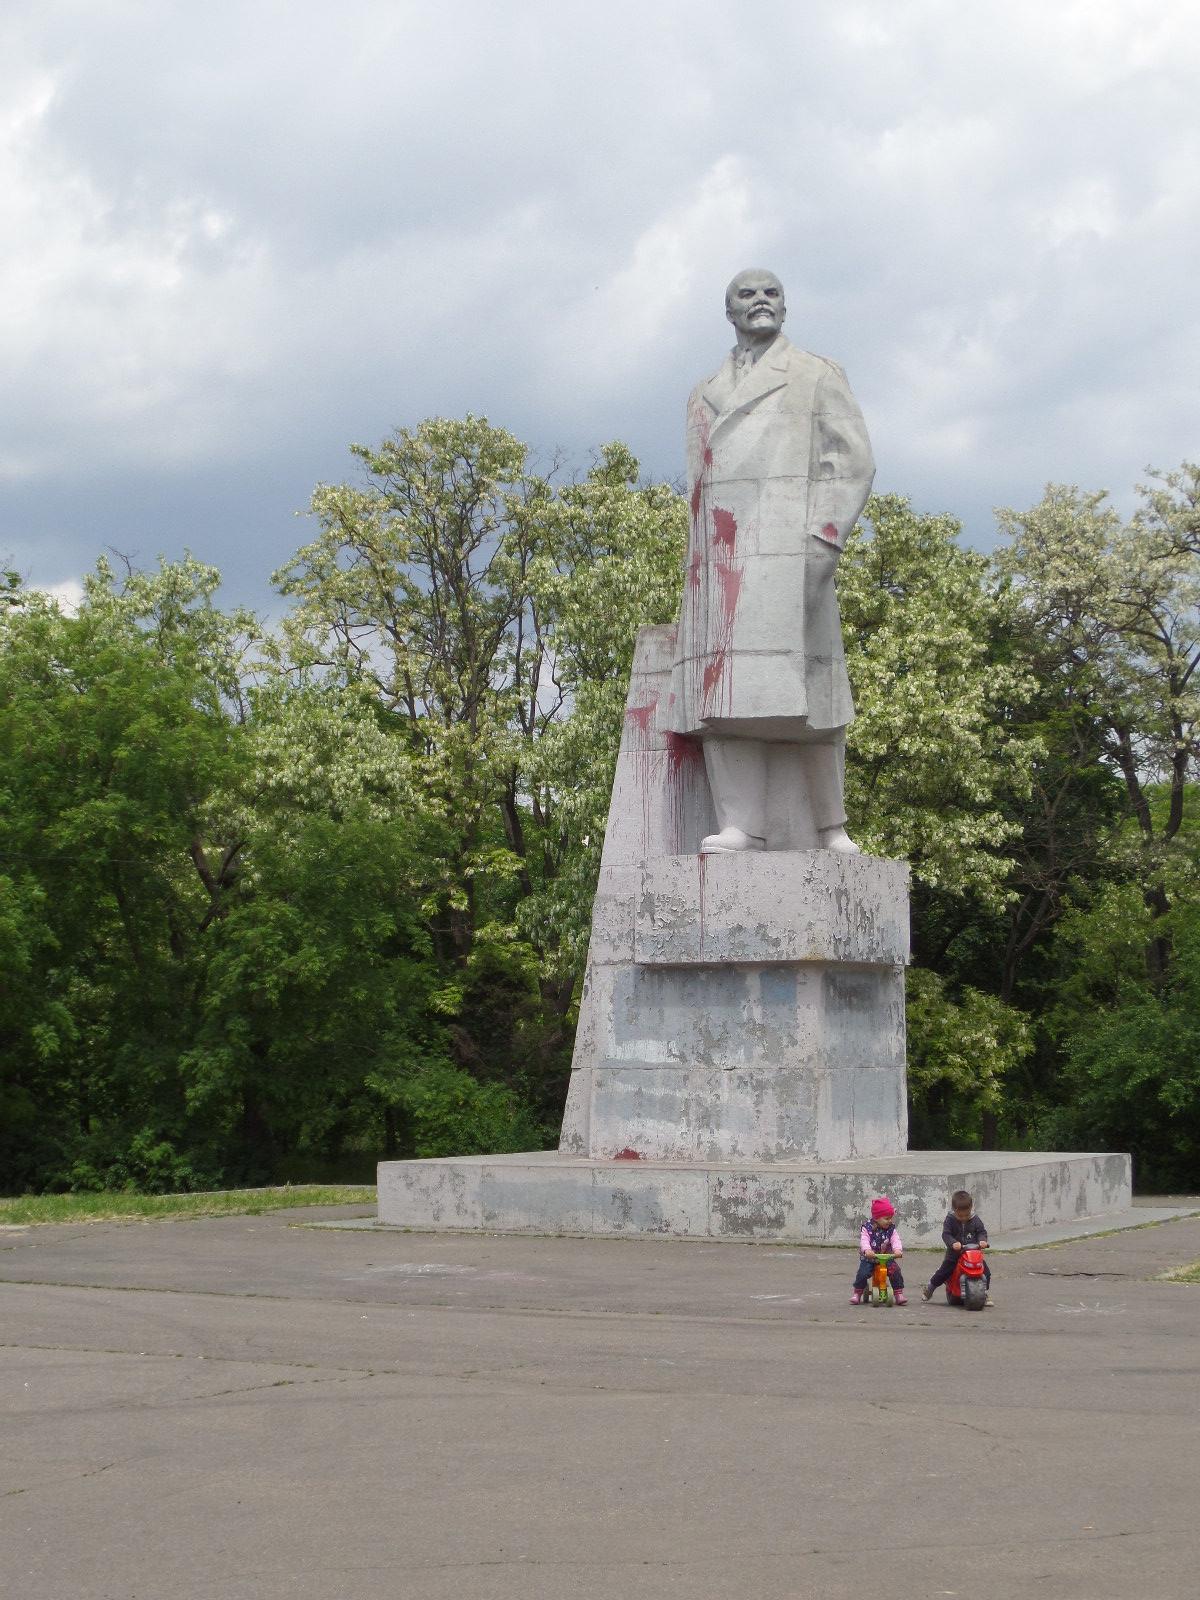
{"x": 252, "y": 1409}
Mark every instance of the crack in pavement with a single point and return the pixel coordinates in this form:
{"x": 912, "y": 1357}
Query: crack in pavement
{"x": 953, "y": 1422}
{"x": 72, "y": 1477}
{"x": 742, "y": 1559}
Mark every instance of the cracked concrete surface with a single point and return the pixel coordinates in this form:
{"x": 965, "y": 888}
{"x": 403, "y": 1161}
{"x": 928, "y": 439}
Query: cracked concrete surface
{"x": 246, "y": 1409}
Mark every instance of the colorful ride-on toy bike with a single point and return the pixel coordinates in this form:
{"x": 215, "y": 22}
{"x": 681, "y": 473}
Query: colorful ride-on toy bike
{"x": 967, "y": 1284}
{"x": 879, "y": 1285}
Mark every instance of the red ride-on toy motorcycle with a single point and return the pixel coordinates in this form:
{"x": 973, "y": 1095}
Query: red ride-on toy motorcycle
{"x": 967, "y": 1285}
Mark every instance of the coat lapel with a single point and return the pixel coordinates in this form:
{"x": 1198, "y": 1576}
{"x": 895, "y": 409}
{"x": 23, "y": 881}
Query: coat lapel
{"x": 729, "y": 398}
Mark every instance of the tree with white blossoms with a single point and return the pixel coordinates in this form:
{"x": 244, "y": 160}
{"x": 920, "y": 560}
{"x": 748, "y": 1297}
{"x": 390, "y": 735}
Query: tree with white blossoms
{"x": 415, "y": 592}
{"x": 1113, "y": 606}
{"x": 938, "y": 765}
{"x": 932, "y": 759}
{"x": 492, "y": 618}
{"x": 489, "y": 616}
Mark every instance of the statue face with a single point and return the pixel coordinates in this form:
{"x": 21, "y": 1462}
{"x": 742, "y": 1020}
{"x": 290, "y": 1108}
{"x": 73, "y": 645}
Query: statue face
{"x": 754, "y": 304}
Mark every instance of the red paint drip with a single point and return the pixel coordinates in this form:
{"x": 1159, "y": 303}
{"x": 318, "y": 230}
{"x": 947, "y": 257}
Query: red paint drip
{"x": 697, "y": 490}
{"x": 724, "y": 529}
{"x": 718, "y": 670}
{"x": 713, "y": 671}
{"x": 641, "y": 718}
{"x": 627, "y": 1155}
{"x": 683, "y": 752}
{"x": 685, "y": 760}
{"x": 829, "y": 531}
{"x": 730, "y": 579}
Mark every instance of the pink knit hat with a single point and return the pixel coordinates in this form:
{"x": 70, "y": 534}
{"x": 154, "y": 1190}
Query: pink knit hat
{"x": 882, "y": 1208}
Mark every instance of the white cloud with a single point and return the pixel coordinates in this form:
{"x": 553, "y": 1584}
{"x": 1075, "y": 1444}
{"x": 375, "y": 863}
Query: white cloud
{"x": 618, "y": 330}
{"x": 68, "y": 594}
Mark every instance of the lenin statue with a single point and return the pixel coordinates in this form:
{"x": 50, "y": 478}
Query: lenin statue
{"x": 779, "y": 469}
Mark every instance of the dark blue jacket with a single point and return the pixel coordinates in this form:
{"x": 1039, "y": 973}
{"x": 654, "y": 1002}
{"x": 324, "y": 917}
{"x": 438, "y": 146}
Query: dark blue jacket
{"x": 967, "y": 1233}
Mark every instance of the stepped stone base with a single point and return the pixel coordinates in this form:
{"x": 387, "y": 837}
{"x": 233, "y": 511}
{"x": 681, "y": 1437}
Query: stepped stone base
{"x": 743, "y": 1009}
{"x": 803, "y": 1202}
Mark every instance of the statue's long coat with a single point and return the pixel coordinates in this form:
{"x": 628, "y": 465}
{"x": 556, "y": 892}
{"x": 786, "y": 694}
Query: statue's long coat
{"x": 779, "y": 468}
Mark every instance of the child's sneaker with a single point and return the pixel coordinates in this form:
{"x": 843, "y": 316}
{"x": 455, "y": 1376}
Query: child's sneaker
{"x": 927, "y": 1292}
{"x": 901, "y": 1298}
{"x": 856, "y": 1298}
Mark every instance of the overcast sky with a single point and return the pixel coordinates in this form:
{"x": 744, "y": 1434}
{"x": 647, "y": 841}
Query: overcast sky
{"x": 239, "y": 234}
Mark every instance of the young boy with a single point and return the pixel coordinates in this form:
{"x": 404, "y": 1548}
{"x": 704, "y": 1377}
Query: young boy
{"x": 879, "y": 1236}
{"x": 962, "y": 1230}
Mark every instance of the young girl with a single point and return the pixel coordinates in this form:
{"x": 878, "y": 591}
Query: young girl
{"x": 879, "y": 1237}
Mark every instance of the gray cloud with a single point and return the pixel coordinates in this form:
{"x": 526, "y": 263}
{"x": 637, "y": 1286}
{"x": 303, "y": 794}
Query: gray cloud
{"x": 239, "y": 236}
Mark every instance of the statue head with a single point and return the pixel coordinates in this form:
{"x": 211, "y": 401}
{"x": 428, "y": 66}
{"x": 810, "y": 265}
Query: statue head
{"x": 754, "y": 303}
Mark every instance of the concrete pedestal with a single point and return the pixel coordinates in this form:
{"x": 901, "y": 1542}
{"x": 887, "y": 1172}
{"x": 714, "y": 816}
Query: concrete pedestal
{"x": 799, "y": 1202}
{"x": 743, "y": 1007}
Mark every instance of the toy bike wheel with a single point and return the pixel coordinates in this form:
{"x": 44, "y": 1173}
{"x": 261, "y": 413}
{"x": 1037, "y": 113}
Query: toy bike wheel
{"x": 974, "y": 1294}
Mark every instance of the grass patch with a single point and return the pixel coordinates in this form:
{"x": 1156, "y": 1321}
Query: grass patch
{"x": 1190, "y": 1274}
{"x": 31, "y": 1209}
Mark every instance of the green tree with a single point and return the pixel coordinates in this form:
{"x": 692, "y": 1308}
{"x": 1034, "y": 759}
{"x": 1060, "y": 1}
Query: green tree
{"x": 933, "y": 755}
{"x": 962, "y": 1047}
{"x": 1114, "y": 608}
{"x": 110, "y": 748}
{"x": 1129, "y": 1048}
{"x": 490, "y": 618}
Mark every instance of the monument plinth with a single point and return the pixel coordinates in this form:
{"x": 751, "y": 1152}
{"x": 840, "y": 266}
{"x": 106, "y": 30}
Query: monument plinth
{"x": 739, "y": 1065}
{"x": 744, "y": 1009}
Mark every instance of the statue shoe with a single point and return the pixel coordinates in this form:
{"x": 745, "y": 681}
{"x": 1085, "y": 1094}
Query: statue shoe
{"x": 730, "y": 841}
{"x": 838, "y": 839}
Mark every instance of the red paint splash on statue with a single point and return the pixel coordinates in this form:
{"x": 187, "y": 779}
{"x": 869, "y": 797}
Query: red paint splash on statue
{"x": 699, "y": 424}
{"x": 714, "y": 669}
{"x": 642, "y": 716}
{"x": 638, "y": 740}
{"x": 725, "y": 592}
{"x": 724, "y": 530}
{"x": 684, "y": 769}
{"x": 702, "y": 423}
{"x": 683, "y": 754}
{"x": 729, "y": 579}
